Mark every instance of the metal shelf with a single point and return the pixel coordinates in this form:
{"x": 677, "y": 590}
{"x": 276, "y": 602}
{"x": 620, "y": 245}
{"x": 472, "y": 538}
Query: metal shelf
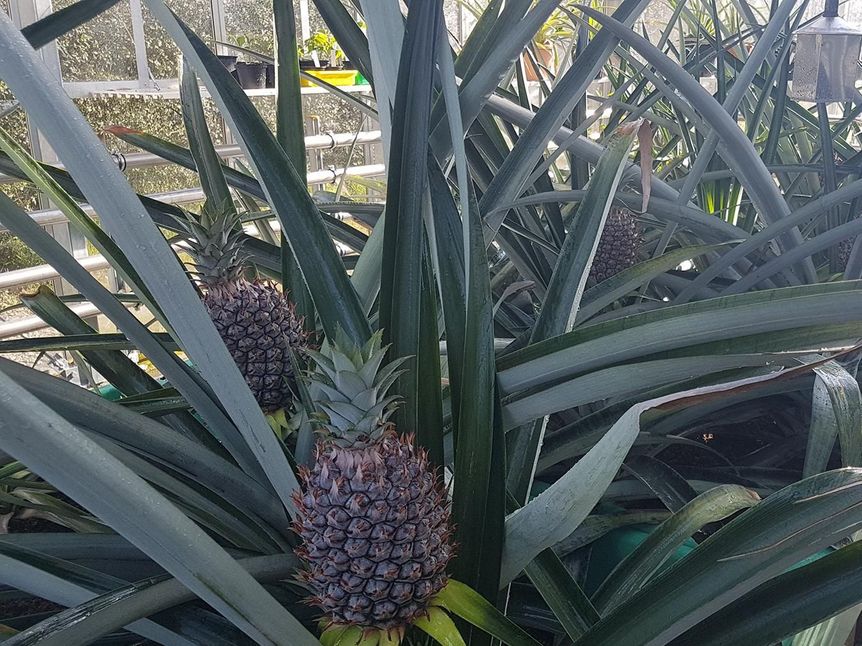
{"x": 173, "y": 92}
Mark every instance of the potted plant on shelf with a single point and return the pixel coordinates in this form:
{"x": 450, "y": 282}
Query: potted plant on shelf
{"x": 329, "y": 60}
{"x": 251, "y": 73}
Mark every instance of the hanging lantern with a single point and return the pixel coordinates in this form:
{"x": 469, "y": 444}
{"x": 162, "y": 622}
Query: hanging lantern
{"x": 826, "y": 65}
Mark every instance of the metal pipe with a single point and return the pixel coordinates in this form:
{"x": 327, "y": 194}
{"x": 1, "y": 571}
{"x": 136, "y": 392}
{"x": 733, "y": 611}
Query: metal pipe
{"x": 831, "y": 9}
{"x": 325, "y": 141}
{"x": 41, "y": 273}
{"x": 48, "y": 217}
{"x": 33, "y": 323}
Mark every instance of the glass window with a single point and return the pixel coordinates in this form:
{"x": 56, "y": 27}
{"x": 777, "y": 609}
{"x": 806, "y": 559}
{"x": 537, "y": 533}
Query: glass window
{"x": 100, "y": 50}
{"x": 162, "y": 54}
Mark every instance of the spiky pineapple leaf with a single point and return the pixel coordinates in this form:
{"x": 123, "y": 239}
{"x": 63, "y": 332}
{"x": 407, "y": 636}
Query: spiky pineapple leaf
{"x": 63, "y": 455}
{"x": 788, "y": 603}
{"x": 207, "y": 161}
{"x": 80, "y": 220}
{"x": 125, "y": 605}
{"x": 404, "y": 315}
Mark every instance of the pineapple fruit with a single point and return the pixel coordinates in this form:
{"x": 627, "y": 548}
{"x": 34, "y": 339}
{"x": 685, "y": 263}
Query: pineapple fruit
{"x": 373, "y": 515}
{"x": 618, "y": 246}
{"x": 254, "y": 318}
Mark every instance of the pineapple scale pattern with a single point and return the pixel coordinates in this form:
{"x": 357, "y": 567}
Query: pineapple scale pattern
{"x": 258, "y": 325}
{"x": 375, "y": 530}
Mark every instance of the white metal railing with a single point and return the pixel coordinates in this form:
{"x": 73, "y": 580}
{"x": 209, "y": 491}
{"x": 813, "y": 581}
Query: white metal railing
{"x": 41, "y": 273}
{"x": 324, "y": 141}
{"x": 47, "y": 217}
{"x": 27, "y": 324}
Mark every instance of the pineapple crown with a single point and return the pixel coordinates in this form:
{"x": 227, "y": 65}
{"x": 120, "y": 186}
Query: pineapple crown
{"x": 349, "y": 388}
{"x": 215, "y": 243}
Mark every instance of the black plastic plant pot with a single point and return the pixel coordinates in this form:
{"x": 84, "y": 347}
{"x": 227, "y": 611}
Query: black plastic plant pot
{"x": 307, "y": 64}
{"x": 228, "y": 61}
{"x": 270, "y": 75}
{"x": 251, "y": 76}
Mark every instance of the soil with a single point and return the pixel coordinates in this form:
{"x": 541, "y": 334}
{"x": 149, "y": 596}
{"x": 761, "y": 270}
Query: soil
{"x": 12, "y": 608}
{"x": 35, "y": 526}
{"x": 30, "y": 606}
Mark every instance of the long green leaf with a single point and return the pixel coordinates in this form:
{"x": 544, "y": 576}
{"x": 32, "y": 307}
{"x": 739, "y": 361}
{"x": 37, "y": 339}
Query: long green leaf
{"x": 207, "y": 162}
{"x": 590, "y": 347}
{"x": 786, "y": 604}
{"x": 759, "y": 544}
{"x": 402, "y": 318}
{"x": 157, "y": 442}
{"x": 633, "y": 572}
{"x": 440, "y": 627}
{"x": 289, "y": 123}
{"x": 385, "y": 25}
{"x": 564, "y": 596}
{"x": 50, "y": 446}
{"x": 479, "y": 436}
{"x": 836, "y": 412}
{"x": 625, "y": 381}
{"x": 99, "y": 239}
{"x": 70, "y": 584}
{"x": 88, "y": 621}
{"x": 62, "y": 21}
{"x": 552, "y": 515}
{"x": 289, "y": 129}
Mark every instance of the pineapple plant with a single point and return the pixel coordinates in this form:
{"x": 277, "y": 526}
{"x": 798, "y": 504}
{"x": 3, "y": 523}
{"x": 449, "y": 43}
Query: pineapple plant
{"x": 254, "y": 318}
{"x": 373, "y": 514}
{"x": 618, "y": 245}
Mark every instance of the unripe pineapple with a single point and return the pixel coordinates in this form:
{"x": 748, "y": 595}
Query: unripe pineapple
{"x": 255, "y": 319}
{"x": 373, "y": 517}
{"x": 618, "y": 246}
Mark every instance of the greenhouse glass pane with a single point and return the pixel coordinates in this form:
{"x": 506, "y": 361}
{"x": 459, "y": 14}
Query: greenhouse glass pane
{"x": 250, "y": 20}
{"x": 162, "y": 54}
{"x": 100, "y": 50}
